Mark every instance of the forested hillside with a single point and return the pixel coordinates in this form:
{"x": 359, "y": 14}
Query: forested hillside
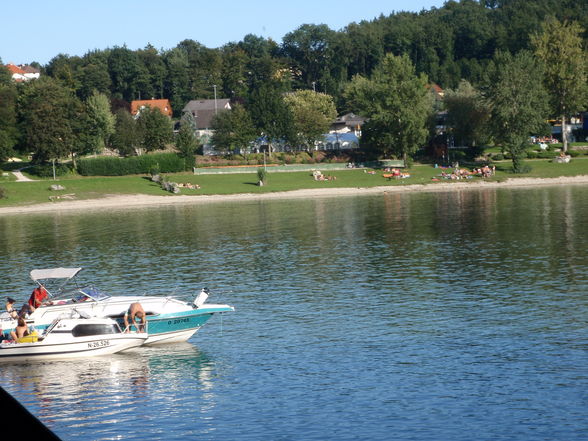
{"x": 448, "y": 44}
{"x": 445, "y": 46}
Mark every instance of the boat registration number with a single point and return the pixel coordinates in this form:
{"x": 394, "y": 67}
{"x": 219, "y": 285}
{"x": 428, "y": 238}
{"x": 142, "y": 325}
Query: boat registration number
{"x": 98, "y": 344}
{"x": 178, "y": 321}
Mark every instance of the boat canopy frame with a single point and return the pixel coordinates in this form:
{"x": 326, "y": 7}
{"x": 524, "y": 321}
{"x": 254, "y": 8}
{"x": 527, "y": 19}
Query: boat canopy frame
{"x": 54, "y": 273}
{"x": 66, "y": 274}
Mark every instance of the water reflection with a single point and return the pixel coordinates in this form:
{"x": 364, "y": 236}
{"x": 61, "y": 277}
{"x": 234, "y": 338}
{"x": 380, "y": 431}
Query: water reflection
{"x": 412, "y": 314}
{"x": 112, "y": 389}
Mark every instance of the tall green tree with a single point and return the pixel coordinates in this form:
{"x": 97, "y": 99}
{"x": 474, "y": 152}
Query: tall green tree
{"x": 154, "y": 72}
{"x": 177, "y": 82}
{"x": 126, "y": 137}
{"x": 5, "y": 75}
{"x": 467, "y": 114}
{"x": 48, "y": 115}
{"x": 311, "y": 49}
{"x": 233, "y": 129}
{"x": 186, "y": 141}
{"x": 397, "y": 103}
{"x": 156, "y": 129}
{"x": 8, "y": 127}
{"x": 313, "y": 113}
{"x": 518, "y": 103}
{"x": 565, "y": 60}
{"x": 271, "y": 116}
{"x": 124, "y": 67}
{"x": 101, "y": 120}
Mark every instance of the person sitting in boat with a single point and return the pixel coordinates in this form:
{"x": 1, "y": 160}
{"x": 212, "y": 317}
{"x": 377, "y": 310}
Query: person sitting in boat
{"x": 21, "y": 330}
{"x": 37, "y": 297}
{"x": 135, "y": 310}
{"x": 10, "y": 307}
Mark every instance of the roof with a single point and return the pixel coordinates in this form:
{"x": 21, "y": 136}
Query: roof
{"x": 163, "y": 105}
{"x": 29, "y": 69}
{"x": 437, "y": 90}
{"x": 220, "y": 103}
{"x": 15, "y": 69}
{"x": 204, "y": 110}
{"x": 54, "y": 273}
{"x": 350, "y": 119}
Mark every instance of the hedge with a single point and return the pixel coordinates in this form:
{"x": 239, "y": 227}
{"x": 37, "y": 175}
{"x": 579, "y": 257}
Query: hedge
{"x": 112, "y": 166}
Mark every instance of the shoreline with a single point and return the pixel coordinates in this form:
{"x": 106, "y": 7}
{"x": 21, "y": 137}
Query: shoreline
{"x": 141, "y": 200}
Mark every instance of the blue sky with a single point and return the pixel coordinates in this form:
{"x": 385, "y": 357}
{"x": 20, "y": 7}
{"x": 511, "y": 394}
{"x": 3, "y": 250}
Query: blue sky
{"x": 38, "y": 30}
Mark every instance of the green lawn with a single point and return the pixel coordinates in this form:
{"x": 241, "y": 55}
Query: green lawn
{"x": 25, "y": 193}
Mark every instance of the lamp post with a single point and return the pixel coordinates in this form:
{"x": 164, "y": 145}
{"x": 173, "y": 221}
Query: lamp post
{"x": 215, "y": 107}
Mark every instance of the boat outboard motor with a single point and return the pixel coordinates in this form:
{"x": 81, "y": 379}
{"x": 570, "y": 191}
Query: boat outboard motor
{"x": 201, "y": 298}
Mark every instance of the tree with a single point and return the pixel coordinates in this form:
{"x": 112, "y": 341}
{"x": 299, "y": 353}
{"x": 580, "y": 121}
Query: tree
{"x": 154, "y": 71}
{"x": 397, "y": 104}
{"x": 271, "y": 116}
{"x": 468, "y": 114}
{"x": 313, "y": 114}
{"x": 48, "y": 112}
{"x": 8, "y": 128}
{"x": 518, "y": 102}
{"x": 126, "y": 137}
{"x": 156, "y": 129}
{"x": 311, "y": 48}
{"x": 124, "y": 67}
{"x": 559, "y": 46}
{"x": 233, "y": 129}
{"x": 101, "y": 119}
{"x": 177, "y": 88}
{"x": 93, "y": 77}
{"x": 5, "y": 75}
{"x": 186, "y": 141}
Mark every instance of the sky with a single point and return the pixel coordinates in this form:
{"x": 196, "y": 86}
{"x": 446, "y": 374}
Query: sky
{"x": 38, "y": 30}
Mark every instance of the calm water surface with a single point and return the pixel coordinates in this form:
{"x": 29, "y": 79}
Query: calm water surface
{"x": 448, "y": 316}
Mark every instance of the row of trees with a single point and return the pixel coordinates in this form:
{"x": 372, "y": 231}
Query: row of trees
{"x": 378, "y": 69}
{"x": 457, "y": 41}
{"x": 513, "y": 100}
{"x": 522, "y": 91}
{"x": 47, "y": 119}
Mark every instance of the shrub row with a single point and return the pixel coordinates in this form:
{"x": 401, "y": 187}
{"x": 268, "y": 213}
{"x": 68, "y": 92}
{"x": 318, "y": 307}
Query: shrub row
{"x": 112, "y": 166}
{"x": 46, "y": 170}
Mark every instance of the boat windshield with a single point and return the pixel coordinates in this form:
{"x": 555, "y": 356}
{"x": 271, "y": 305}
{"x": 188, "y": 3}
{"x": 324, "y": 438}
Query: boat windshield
{"x": 92, "y": 293}
{"x": 86, "y": 330}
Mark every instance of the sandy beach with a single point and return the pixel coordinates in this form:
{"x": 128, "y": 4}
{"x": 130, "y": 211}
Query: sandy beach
{"x": 141, "y": 200}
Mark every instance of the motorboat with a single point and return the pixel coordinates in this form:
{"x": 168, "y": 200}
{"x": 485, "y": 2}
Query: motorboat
{"x": 72, "y": 338}
{"x": 169, "y": 319}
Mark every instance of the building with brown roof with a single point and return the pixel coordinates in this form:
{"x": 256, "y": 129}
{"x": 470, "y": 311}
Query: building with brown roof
{"x": 204, "y": 110}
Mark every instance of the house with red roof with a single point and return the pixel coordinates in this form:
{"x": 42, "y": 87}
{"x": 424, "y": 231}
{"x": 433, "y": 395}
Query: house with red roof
{"x": 23, "y": 72}
{"x": 163, "y": 105}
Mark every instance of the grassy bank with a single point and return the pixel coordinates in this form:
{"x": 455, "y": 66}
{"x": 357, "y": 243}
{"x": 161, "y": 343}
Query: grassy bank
{"x": 81, "y": 188}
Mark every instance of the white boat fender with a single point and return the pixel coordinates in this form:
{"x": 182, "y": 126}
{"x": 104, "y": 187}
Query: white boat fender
{"x": 201, "y": 298}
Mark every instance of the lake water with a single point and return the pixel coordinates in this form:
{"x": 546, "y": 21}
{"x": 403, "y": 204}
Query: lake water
{"x": 430, "y": 316}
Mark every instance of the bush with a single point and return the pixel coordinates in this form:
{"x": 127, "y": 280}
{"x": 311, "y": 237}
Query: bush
{"x": 108, "y": 166}
{"x": 531, "y": 154}
{"x": 46, "y": 170}
{"x": 3, "y": 193}
{"x": 261, "y": 174}
{"x": 545, "y": 154}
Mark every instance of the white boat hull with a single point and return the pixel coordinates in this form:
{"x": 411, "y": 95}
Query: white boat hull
{"x": 170, "y": 320}
{"x": 88, "y": 348}
{"x": 73, "y": 338}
